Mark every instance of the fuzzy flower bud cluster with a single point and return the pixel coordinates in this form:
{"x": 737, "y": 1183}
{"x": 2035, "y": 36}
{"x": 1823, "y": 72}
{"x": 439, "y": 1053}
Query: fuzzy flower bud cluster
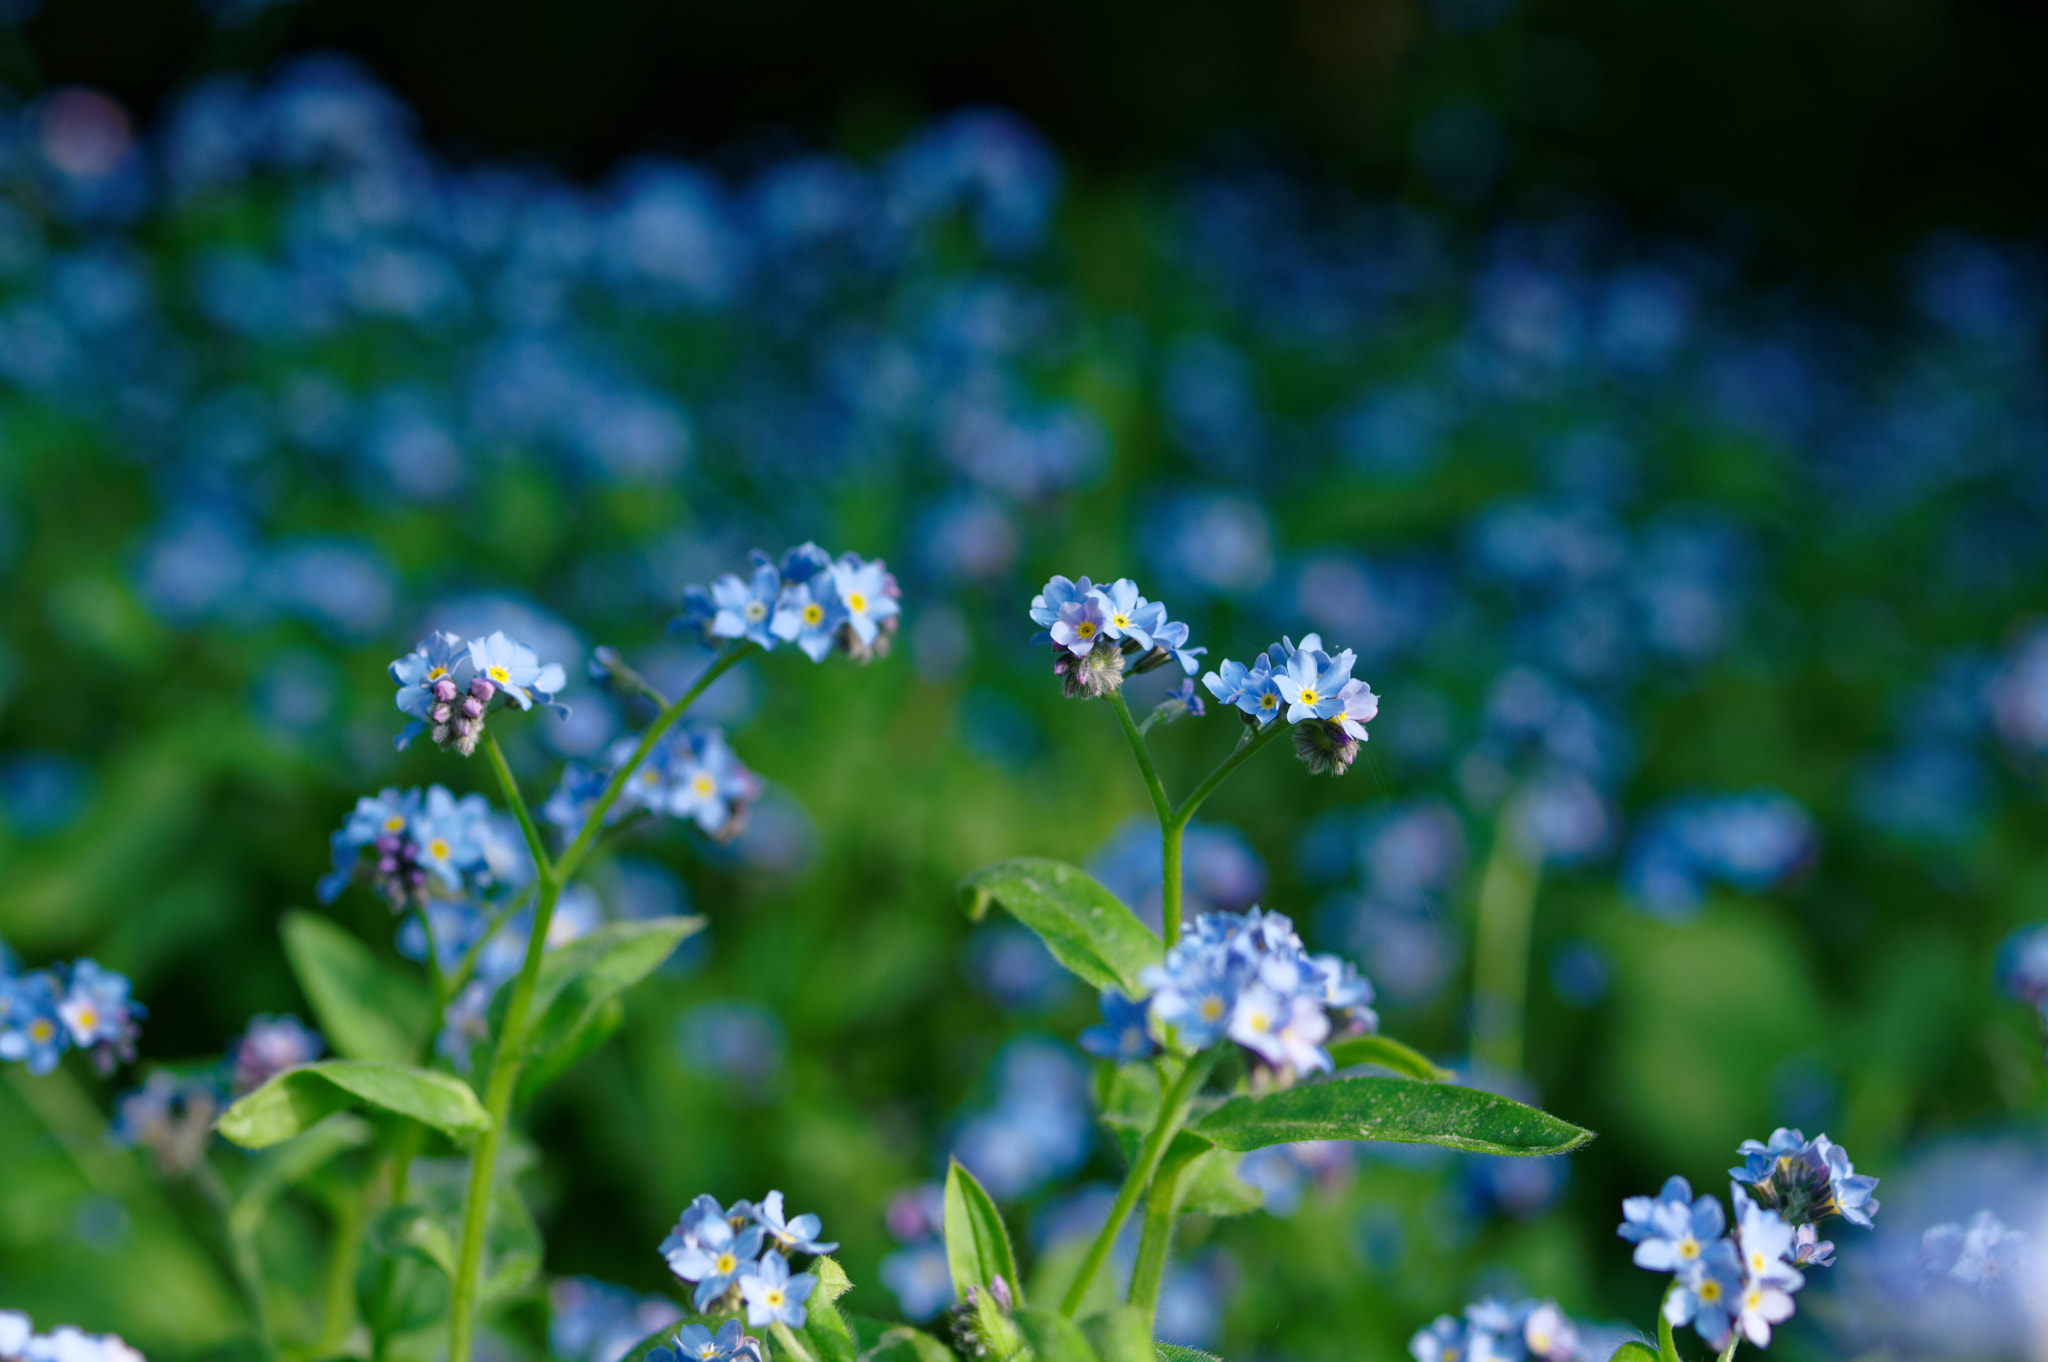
{"x": 1314, "y": 690}
{"x": 738, "y": 1257}
{"x": 808, "y": 598}
{"x": 80, "y": 1006}
{"x": 691, "y": 773}
{"x": 448, "y": 685}
{"x": 1741, "y": 1280}
{"x": 19, "y": 1342}
{"x": 172, "y": 1114}
{"x": 1244, "y": 978}
{"x": 1524, "y": 1331}
{"x": 414, "y": 846}
{"x": 1100, "y": 634}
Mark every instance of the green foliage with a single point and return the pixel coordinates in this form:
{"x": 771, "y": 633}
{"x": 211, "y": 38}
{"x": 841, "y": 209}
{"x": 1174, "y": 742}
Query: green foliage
{"x": 1667, "y": 1347}
{"x": 576, "y": 996}
{"x": 977, "y": 1244}
{"x": 1633, "y": 1351}
{"x": 1173, "y": 1352}
{"x": 1087, "y": 928}
{"x": 1389, "y": 1109}
{"x": 905, "y": 1345}
{"x": 366, "y": 1009}
{"x": 1053, "y": 1337}
{"x": 1388, "y": 1054}
{"x": 298, "y": 1099}
{"x": 1211, "y": 1186}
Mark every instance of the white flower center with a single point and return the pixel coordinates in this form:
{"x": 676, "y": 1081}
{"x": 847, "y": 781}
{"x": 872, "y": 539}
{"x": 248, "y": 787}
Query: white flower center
{"x": 755, "y": 610}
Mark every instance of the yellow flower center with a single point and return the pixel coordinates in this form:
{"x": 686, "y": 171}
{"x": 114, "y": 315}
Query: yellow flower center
{"x": 500, "y": 675}
{"x": 436, "y": 673}
{"x": 1212, "y": 1008}
{"x": 1120, "y": 621}
{"x": 1257, "y": 1021}
{"x": 1308, "y": 697}
{"x": 856, "y": 601}
{"x": 704, "y": 786}
{"x": 1754, "y": 1299}
{"x": 814, "y": 613}
{"x": 438, "y": 849}
{"x": 649, "y": 776}
{"x": 1086, "y": 629}
{"x": 395, "y": 823}
{"x": 1269, "y": 702}
{"x": 88, "y": 1018}
{"x": 1688, "y": 1247}
{"x": 40, "y": 1030}
{"x": 726, "y": 1263}
{"x": 1710, "y": 1291}
{"x": 773, "y": 1296}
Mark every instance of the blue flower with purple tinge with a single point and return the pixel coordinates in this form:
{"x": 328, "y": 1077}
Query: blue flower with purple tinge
{"x": 1676, "y": 1236}
{"x": 1251, "y": 689}
{"x": 419, "y": 674}
{"x": 1101, "y": 633}
{"x": 269, "y": 1047}
{"x": 1805, "y": 1181}
{"x": 412, "y": 845}
{"x": 1313, "y": 689}
{"x": 447, "y": 686}
{"x": 99, "y": 1015}
{"x": 806, "y": 598}
{"x": 791, "y": 1234}
{"x": 1121, "y": 1036}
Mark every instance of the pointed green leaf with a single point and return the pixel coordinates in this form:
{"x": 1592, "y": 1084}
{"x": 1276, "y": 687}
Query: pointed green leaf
{"x": 578, "y": 980}
{"x": 1173, "y": 1352}
{"x": 832, "y": 1279}
{"x": 298, "y": 1099}
{"x": 1053, "y": 1337}
{"x": 1086, "y": 927}
{"x": 905, "y": 1345}
{"x": 1388, "y": 1054}
{"x": 1120, "y": 1335}
{"x": 1212, "y": 1187}
{"x": 977, "y": 1244}
{"x": 1633, "y": 1351}
{"x": 1389, "y": 1109}
{"x": 365, "y": 1008}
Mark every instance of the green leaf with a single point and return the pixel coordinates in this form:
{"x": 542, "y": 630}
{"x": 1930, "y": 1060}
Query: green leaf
{"x": 299, "y": 1099}
{"x": 904, "y": 1345}
{"x": 1121, "y": 1335}
{"x": 1053, "y": 1337}
{"x": 1388, "y": 1054}
{"x": 1084, "y": 925}
{"x": 579, "y": 980}
{"x": 365, "y": 1008}
{"x": 1389, "y": 1109}
{"x": 1633, "y": 1351}
{"x": 663, "y": 1337}
{"x": 1130, "y": 1096}
{"x": 1173, "y": 1352}
{"x": 832, "y": 1279}
{"x": 414, "y": 1232}
{"x": 977, "y": 1244}
{"x": 427, "y": 1234}
{"x": 1212, "y": 1187}
{"x": 826, "y": 1332}
{"x": 1667, "y": 1347}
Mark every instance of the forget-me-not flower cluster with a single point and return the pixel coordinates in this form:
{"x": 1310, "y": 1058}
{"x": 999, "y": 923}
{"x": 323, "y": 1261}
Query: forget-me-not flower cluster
{"x": 1244, "y": 978}
{"x": 80, "y": 1006}
{"x": 19, "y": 1342}
{"x": 448, "y": 684}
{"x": 416, "y": 846}
{"x": 807, "y": 598}
{"x": 1100, "y": 634}
{"x": 1310, "y": 689}
{"x": 1740, "y": 1279}
{"x": 692, "y": 773}
{"x": 738, "y": 1258}
{"x": 1493, "y": 1330}
{"x": 595, "y": 1321}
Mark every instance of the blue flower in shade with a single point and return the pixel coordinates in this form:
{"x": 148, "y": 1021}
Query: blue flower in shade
{"x": 1121, "y": 1035}
{"x": 516, "y": 670}
{"x": 269, "y": 1047}
{"x": 1126, "y": 614}
{"x": 1680, "y": 1235}
{"x": 807, "y": 620}
{"x": 801, "y": 564}
{"x": 708, "y": 784}
{"x": 746, "y": 609}
{"x": 795, "y": 1234}
{"x": 1805, "y": 1181}
{"x": 439, "y": 657}
{"x": 1192, "y": 997}
{"x": 1080, "y": 625}
{"x": 571, "y": 801}
{"x": 714, "y": 1256}
{"x": 1172, "y": 635}
{"x": 1710, "y": 1296}
{"x": 1443, "y": 1340}
{"x": 920, "y": 1279}
{"x": 699, "y": 610}
{"x": 1810, "y": 1250}
{"x": 695, "y": 1343}
{"x": 98, "y": 1014}
{"x": 31, "y": 1031}
{"x": 1058, "y": 593}
{"x": 867, "y": 595}
{"x": 1184, "y": 694}
{"x": 774, "y": 1296}
{"x": 1639, "y": 1212}
{"x": 1310, "y": 682}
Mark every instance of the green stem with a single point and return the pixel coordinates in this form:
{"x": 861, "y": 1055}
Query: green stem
{"x": 404, "y": 1147}
{"x": 1500, "y": 957}
{"x": 1160, "y": 803}
{"x": 594, "y": 823}
{"x": 788, "y": 1341}
{"x": 1155, "y": 1244}
{"x": 509, "y": 1052}
{"x": 1170, "y": 834}
{"x": 1173, "y": 1113}
{"x": 338, "y": 1308}
{"x": 1242, "y": 753}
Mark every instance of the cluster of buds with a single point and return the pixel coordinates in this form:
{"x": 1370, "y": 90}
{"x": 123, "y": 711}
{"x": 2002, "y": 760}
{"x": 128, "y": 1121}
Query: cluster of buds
{"x": 448, "y": 685}
{"x": 1101, "y": 634}
{"x": 980, "y": 1324}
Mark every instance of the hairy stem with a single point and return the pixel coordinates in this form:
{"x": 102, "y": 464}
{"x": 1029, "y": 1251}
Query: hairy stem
{"x": 509, "y": 1052}
{"x": 1169, "y": 881}
{"x": 1500, "y": 956}
{"x": 789, "y": 1343}
{"x": 1155, "y": 1244}
{"x": 1161, "y": 805}
{"x": 1173, "y": 1113}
